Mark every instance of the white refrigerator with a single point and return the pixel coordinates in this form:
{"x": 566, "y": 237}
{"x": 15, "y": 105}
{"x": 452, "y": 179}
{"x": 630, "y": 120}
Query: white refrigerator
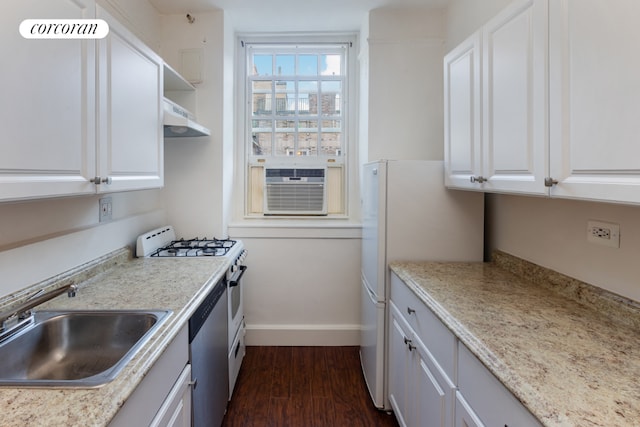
{"x": 407, "y": 214}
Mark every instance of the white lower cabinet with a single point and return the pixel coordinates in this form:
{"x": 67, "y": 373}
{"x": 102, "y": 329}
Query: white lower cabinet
{"x": 424, "y": 356}
{"x": 465, "y": 417}
{"x": 176, "y": 409}
{"x": 483, "y": 400}
{"x": 163, "y": 398}
{"x": 420, "y": 392}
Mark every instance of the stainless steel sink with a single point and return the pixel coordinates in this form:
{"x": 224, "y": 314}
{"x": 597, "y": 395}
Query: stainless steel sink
{"x": 75, "y": 348}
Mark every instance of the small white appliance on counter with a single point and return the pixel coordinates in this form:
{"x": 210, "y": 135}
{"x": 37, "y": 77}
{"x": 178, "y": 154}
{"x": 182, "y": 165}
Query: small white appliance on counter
{"x": 407, "y": 214}
{"x": 216, "y": 328}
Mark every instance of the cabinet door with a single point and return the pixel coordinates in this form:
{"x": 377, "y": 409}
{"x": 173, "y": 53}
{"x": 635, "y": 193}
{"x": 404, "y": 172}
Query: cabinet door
{"x": 176, "y": 409}
{"x": 462, "y": 106}
{"x": 433, "y": 391}
{"x": 130, "y": 137}
{"x": 515, "y": 117}
{"x": 465, "y": 417}
{"x": 47, "y": 105}
{"x": 489, "y": 398}
{"x": 595, "y": 99}
{"x": 399, "y": 366}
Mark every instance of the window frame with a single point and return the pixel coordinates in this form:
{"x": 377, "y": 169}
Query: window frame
{"x": 245, "y": 158}
{"x": 293, "y": 95}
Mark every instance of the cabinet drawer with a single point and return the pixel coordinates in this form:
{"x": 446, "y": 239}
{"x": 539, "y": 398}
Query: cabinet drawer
{"x": 435, "y": 336}
{"x": 145, "y": 401}
{"x": 493, "y": 404}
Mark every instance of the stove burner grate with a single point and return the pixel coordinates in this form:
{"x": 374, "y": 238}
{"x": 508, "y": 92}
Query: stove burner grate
{"x": 195, "y": 247}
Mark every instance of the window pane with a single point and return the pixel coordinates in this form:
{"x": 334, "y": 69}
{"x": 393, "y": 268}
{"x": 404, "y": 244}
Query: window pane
{"x": 331, "y": 143}
{"x": 331, "y": 125}
{"x": 261, "y": 104}
{"x": 283, "y": 86}
{"x": 285, "y": 126}
{"x": 285, "y": 97}
{"x": 307, "y": 144}
{"x": 285, "y": 105}
{"x": 296, "y": 96}
{"x": 307, "y": 97}
{"x": 285, "y": 65}
{"x": 262, "y": 65}
{"x": 285, "y": 144}
{"x": 261, "y": 143}
{"x": 330, "y": 104}
{"x": 331, "y": 91}
{"x": 308, "y": 65}
{"x": 331, "y": 65}
{"x": 331, "y": 86}
{"x": 305, "y": 125}
{"x": 261, "y": 125}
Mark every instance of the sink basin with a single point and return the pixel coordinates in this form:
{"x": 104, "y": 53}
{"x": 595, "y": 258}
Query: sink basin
{"x": 75, "y": 348}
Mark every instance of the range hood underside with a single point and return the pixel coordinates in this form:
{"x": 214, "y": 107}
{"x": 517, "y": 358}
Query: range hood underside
{"x": 178, "y": 123}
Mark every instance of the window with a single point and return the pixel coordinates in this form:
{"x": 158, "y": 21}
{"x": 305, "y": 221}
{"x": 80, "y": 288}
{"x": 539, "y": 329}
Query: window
{"x": 296, "y": 120}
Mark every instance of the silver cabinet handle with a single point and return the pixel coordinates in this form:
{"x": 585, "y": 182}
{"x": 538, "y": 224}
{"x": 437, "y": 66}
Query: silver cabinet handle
{"x": 478, "y": 179}
{"x": 97, "y": 180}
{"x": 409, "y": 344}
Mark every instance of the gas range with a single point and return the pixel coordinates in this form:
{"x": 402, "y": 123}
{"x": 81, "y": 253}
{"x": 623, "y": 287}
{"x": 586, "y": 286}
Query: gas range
{"x": 162, "y": 243}
{"x": 213, "y": 348}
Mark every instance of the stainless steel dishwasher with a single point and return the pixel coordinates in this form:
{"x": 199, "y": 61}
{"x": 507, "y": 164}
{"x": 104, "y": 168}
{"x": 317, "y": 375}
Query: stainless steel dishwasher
{"x": 208, "y": 351}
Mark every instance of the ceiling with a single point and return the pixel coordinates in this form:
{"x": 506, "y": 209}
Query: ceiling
{"x": 289, "y": 15}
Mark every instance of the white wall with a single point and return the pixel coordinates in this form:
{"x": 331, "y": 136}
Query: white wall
{"x": 302, "y": 291}
{"x": 465, "y": 16}
{"x": 195, "y": 167}
{"x": 405, "y": 98}
{"x": 139, "y": 16}
{"x": 552, "y": 233}
{"x": 303, "y": 285}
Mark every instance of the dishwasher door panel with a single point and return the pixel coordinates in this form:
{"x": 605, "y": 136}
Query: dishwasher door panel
{"x": 210, "y": 371}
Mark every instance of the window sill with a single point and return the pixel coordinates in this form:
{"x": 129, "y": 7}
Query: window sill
{"x": 296, "y": 228}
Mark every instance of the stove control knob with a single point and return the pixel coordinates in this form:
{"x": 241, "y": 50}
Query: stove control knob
{"x": 234, "y": 268}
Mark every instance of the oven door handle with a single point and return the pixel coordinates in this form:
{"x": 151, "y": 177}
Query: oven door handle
{"x": 235, "y": 281}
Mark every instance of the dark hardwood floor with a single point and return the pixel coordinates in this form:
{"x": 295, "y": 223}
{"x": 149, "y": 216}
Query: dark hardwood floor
{"x": 303, "y": 387}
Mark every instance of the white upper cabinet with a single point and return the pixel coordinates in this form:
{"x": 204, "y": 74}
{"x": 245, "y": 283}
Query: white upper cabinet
{"x": 576, "y": 129}
{"x": 462, "y": 104}
{"x": 130, "y": 136}
{"x": 495, "y": 104}
{"x": 47, "y": 105}
{"x": 595, "y": 99}
{"x": 74, "y": 110}
{"x": 514, "y": 47}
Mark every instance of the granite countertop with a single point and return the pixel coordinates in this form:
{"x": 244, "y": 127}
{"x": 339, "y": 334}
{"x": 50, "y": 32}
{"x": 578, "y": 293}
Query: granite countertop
{"x": 568, "y": 351}
{"x": 115, "y": 281}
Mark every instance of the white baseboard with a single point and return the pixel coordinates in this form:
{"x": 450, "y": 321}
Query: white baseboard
{"x": 302, "y": 335}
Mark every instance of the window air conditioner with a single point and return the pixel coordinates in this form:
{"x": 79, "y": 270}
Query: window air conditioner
{"x": 299, "y": 191}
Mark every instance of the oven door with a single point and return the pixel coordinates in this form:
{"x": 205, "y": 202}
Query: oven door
{"x": 236, "y": 326}
{"x": 236, "y": 309}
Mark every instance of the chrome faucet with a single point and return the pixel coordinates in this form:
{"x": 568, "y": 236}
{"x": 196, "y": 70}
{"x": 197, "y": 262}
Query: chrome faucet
{"x": 16, "y": 318}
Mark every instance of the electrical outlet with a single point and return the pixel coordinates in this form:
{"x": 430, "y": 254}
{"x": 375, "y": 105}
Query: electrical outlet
{"x": 106, "y": 209}
{"x": 603, "y": 233}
